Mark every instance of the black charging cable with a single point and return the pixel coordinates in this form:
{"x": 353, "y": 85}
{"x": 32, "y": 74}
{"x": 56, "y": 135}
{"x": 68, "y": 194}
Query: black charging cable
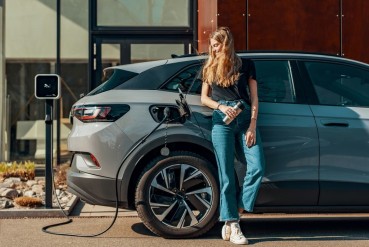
{"x": 45, "y": 228}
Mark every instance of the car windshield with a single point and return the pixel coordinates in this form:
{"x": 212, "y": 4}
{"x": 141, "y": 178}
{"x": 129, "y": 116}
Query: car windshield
{"x": 112, "y": 79}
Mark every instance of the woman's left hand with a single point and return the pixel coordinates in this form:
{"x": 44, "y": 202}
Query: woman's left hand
{"x": 250, "y": 137}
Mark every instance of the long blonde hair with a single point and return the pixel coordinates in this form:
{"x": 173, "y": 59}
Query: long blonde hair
{"x": 224, "y": 68}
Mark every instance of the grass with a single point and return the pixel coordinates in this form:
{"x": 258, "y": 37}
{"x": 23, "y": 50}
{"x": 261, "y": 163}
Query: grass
{"x": 24, "y": 170}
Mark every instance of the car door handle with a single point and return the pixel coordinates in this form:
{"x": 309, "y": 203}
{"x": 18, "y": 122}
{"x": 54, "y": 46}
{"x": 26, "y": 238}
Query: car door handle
{"x": 334, "y": 124}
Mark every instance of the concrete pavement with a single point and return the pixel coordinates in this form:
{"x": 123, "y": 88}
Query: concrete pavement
{"x": 83, "y": 209}
{"x": 75, "y": 207}
{"x": 272, "y": 230}
{"x": 78, "y": 208}
{"x": 264, "y": 230}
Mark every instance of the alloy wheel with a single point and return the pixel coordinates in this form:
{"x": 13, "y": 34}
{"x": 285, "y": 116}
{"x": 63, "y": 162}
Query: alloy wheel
{"x": 180, "y": 196}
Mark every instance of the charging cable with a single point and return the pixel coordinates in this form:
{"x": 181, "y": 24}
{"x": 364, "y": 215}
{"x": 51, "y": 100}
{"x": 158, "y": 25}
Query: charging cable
{"x": 45, "y": 228}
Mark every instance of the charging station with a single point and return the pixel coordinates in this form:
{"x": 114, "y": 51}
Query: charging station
{"x": 47, "y": 87}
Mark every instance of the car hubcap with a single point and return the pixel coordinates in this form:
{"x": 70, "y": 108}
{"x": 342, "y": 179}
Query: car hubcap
{"x": 180, "y": 196}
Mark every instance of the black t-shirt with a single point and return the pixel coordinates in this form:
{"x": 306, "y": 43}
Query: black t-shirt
{"x": 239, "y": 89}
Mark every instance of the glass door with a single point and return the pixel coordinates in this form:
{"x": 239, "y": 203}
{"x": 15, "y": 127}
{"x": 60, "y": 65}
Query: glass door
{"x": 111, "y": 52}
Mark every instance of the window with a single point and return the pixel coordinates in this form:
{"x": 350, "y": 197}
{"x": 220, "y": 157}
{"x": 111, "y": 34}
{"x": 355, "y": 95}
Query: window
{"x": 338, "y": 84}
{"x": 113, "y": 78}
{"x": 141, "y": 13}
{"x": 184, "y": 80}
{"x": 275, "y": 83}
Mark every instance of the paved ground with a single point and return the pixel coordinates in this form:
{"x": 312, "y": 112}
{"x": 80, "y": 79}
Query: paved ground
{"x": 83, "y": 209}
{"x": 265, "y": 230}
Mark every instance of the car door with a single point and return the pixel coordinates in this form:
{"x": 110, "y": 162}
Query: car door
{"x": 341, "y": 113}
{"x": 188, "y": 80}
{"x": 287, "y": 129}
{"x": 289, "y": 137}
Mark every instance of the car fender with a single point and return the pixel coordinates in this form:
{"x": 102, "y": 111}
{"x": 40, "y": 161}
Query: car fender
{"x": 151, "y": 148}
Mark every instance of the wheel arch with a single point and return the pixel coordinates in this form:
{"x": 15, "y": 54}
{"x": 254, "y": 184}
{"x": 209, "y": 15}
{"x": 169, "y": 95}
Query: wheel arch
{"x": 196, "y": 145}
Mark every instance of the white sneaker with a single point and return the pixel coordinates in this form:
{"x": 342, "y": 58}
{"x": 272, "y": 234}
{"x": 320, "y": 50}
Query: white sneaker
{"x": 226, "y": 232}
{"x": 237, "y": 236}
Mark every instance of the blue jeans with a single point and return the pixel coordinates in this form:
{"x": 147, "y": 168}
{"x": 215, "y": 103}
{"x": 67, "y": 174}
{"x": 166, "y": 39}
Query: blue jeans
{"x": 224, "y": 138}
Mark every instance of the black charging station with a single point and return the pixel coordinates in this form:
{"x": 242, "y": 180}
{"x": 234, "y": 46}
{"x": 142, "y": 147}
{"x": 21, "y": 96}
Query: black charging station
{"x": 47, "y": 87}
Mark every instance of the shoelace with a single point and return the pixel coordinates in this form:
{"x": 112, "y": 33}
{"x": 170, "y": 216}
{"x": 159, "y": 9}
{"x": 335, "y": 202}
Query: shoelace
{"x": 238, "y": 232}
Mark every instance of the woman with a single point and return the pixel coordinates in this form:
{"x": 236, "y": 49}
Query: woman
{"x": 225, "y": 81}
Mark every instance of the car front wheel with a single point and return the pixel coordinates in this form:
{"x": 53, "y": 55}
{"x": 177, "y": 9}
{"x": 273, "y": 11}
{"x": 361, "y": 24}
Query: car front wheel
{"x": 177, "y": 196}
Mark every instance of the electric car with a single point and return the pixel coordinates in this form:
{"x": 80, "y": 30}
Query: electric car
{"x": 138, "y": 146}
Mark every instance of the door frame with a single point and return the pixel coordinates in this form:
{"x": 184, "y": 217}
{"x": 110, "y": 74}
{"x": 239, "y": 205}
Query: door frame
{"x": 95, "y": 66}
{"x": 169, "y": 34}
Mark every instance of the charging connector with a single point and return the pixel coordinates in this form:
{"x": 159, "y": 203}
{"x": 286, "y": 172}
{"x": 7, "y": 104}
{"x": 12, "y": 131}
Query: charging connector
{"x": 166, "y": 112}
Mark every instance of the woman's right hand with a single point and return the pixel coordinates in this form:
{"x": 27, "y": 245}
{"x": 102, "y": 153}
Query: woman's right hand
{"x": 250, "y": 137}
{"x": 228, "y": 111}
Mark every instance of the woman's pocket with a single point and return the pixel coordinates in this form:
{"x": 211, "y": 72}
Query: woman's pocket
{"x": 218, "y": 117}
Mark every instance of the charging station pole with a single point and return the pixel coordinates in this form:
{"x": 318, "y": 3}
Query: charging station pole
{"x": 47, "y": 87}
{"x": 48, "y": 152}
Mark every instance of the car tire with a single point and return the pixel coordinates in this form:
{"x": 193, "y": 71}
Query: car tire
{"x": 177, "y": 196}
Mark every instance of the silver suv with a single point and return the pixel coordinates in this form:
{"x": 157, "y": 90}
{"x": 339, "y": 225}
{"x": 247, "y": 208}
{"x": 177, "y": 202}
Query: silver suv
{"x": 133, "y": 145}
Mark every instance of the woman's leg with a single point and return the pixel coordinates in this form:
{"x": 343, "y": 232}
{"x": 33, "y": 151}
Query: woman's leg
{"x": 223, "y": 141}
{"x": 254, "y": 174}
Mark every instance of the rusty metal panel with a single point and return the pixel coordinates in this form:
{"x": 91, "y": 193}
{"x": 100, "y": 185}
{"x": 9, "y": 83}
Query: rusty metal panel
{"x": 232, "y": 14}
{"x": 355, "y": 31}
{"x": 207, "y": 22}
{"x": 301, "y": 25}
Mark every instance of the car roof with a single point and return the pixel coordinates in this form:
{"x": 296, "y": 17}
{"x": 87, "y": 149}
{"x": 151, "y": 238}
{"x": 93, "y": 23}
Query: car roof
{"x": 151, "y": 75}
{"x": 140, "y": 67}
{"x": 297, "y": 55}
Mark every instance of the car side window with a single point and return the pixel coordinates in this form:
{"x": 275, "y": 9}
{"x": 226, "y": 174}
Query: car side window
{"x": 185, "y": 79}
{"x": 338, "y": 84}
{"x": 275, "y": 83}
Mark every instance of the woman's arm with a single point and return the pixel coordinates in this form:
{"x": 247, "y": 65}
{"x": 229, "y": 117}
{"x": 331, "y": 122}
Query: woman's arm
{"x": 205, "y": 97}
{"x": 254, "y": 102}
{"x": 207, "y": 101}
{"x": 251, "y": 131}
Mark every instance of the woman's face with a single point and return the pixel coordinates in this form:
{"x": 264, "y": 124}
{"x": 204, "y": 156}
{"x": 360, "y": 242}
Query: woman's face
{"x": 216, "y": 46}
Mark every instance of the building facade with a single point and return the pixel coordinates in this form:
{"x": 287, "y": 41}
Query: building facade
{"x": 79, "y": 38}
